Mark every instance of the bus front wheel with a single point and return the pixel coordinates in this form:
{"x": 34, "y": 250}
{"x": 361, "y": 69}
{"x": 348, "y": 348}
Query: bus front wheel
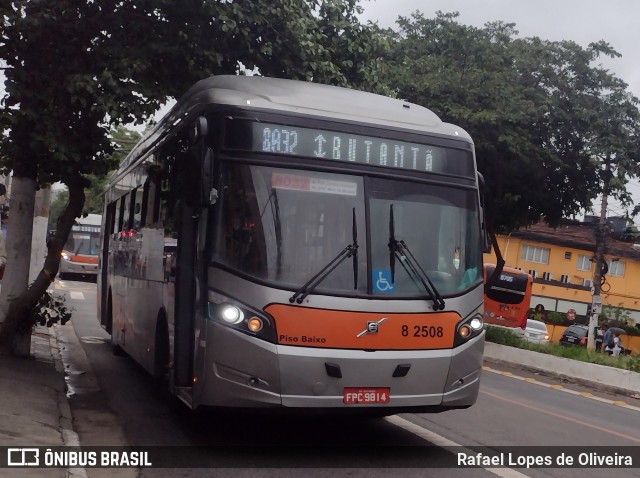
{"x": 115, "y": 348}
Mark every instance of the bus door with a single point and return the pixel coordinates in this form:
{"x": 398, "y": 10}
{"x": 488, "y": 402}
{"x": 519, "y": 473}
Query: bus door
{"x": 194, "y": 184}
{"x": 185, "y": 297}
{"x": 103, "y": 266}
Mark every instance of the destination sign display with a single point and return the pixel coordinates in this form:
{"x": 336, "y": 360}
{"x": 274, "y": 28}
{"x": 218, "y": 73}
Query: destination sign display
{"x": 339, "y": 146}
{"x": 85, "y": 228}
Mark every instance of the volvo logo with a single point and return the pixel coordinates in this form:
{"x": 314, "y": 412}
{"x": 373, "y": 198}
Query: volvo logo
{"x": 372, "y": 327}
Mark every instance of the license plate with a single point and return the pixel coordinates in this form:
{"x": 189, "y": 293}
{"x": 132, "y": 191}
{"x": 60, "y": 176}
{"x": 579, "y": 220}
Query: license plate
{"x": 353, "y": 396}
{"x": 571, "y": 339}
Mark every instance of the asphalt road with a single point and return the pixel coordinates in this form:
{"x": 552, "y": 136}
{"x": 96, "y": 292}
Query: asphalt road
{"x": 114, "y": 402}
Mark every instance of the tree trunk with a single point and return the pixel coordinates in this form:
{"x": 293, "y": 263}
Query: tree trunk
{"x": 18, "y": 302}
{"x": 40, "y": 226}
{"x": 16, "y": 274}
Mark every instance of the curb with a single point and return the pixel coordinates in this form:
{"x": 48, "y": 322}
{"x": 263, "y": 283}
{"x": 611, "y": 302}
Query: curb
{"x": 567, "y": 378}
{"x": 594, "y": 376}
{"x": 69, "y": 436}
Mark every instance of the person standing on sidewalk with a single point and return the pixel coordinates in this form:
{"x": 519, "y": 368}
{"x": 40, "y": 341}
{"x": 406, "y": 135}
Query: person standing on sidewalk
{"x": 617, "y": 345}
{"x": 605, "y": 337}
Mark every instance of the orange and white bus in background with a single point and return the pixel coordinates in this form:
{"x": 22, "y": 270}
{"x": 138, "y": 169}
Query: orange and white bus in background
{"x": 508, "y": 300}
{"x": 80, "y": 253}
{"x": 282, "y": 244}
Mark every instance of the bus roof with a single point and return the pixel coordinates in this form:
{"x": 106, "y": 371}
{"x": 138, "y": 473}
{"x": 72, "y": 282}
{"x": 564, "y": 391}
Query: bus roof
{"x": 90, "y": 220}
{"x": 297, "y": 97}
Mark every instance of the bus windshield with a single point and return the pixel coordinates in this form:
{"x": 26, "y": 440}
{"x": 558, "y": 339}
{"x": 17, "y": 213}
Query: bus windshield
{"x": 438, "y": 224}
{"x": 284, "y": 225}
{"x": 83, "y": 240}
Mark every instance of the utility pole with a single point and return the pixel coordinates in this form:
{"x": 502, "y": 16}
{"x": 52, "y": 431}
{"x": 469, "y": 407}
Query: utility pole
{"x": 601, "y": 234}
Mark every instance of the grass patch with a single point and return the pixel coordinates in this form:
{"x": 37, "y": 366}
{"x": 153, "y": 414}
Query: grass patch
{"x": 502, "y": 336}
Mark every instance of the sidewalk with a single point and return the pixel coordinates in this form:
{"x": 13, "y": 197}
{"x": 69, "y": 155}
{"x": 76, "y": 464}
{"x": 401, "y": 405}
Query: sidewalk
{"x": 34, "y": 410}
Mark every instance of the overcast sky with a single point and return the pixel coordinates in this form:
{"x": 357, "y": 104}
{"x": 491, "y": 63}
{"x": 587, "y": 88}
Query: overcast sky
{"x": 581, "y": 21}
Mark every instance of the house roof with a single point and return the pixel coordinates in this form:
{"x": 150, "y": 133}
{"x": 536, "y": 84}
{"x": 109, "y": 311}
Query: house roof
{"x": 577, "y": 235}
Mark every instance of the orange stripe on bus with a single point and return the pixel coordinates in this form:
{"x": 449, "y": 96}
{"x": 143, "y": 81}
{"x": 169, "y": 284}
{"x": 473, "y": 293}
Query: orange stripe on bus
{"x": 84, "y": 259}
{"x": 309, "y": 327}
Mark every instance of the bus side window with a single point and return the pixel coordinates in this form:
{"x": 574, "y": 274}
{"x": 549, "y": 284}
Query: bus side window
{"x": 152, "y": 202}
{"x": 135, "y": 212}
{"x": 168, "y": 204}
{"x": 168, "y": 219}
{"x": 126, "y": 213}
{"x": 144, "y": 206}
{"x": 117, "y": 224}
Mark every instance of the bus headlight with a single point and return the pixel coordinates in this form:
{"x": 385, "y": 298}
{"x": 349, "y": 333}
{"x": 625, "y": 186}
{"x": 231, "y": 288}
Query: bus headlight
{"x": 476, "y": 323}
{"x": 468, "y": 328}
{"x": 240, "y": 317}
{"x": 231, "y": 314}
{"x": 64, "y": 255}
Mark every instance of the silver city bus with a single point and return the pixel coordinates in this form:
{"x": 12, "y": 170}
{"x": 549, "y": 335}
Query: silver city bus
{"x": 282, "y": 244}
{"x": 80, "y": 252}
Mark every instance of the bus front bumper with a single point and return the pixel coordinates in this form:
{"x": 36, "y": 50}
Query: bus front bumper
{"x": 70, "y": 267}
{"x": 242, "y": 371}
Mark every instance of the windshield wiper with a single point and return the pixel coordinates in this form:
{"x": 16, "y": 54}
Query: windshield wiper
{"x": 354, "y": 236}
{"x": 410, "y": 264}
{"x": 350, "y": 251}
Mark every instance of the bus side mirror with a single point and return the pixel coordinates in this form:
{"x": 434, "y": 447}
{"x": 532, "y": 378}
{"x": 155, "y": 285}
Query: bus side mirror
{"x": 198, "y": 184}
{"x": 199, "y": 191}
{"x": 208, "y": 194}
{"x": 486, "y": 239}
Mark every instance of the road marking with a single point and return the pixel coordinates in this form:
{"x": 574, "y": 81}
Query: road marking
{"x": 563, "y": 389}
{"x": 560, "y": 416}
{"x": 92, "y": 340}
{"x": 448, "y": 445}
{"x": 75, "y": 295}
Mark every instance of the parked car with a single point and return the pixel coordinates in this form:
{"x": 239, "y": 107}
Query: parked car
{"x": 578, "y": 334}
{"x": 575, "y": 334}
{"x": 536, "y": 331}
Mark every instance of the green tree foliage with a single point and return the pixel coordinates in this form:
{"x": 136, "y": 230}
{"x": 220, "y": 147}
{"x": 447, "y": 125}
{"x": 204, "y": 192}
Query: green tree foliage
{"x": 543, "y": 117}
{"x": 124, "y": 140}
{"x": 93, "y": 203}
{"x": 76, "y": 69}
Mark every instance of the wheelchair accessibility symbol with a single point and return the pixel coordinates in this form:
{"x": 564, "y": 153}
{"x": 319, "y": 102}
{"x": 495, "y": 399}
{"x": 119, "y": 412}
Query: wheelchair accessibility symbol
{"x": 382, "y": 281}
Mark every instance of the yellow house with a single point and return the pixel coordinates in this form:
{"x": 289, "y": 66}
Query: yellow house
{"x": 562, "y": 263}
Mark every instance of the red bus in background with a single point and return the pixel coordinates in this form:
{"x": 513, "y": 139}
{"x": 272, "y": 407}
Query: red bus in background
{"x": 508, "y": 301}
